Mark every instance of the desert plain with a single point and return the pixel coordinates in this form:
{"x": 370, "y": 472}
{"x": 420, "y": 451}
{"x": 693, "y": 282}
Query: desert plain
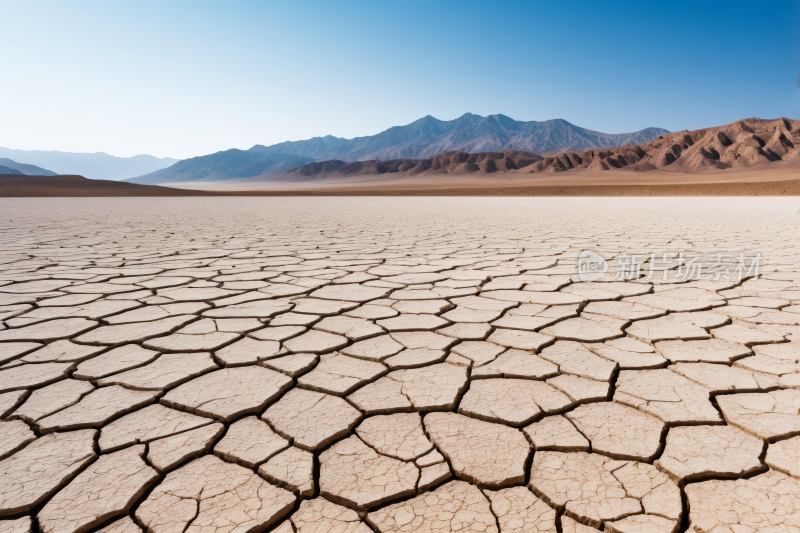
{"x": 436, "y": 364}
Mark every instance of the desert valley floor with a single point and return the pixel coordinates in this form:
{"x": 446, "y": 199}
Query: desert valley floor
{"x": 314, "y": 365}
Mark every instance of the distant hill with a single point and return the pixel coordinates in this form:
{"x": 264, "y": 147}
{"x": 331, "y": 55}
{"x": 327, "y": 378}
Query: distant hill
{"x": 741, "y": 144}
{"x": 30, "y": 170}
{"x": 222, "y": 166}
{"x": 421, "y": 139}
{"x": 94, "y": 166}
{"x": 8, "y": 170}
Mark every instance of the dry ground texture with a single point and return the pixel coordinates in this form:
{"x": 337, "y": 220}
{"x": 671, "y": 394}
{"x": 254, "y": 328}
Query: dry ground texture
{"x": 228, "y": 365}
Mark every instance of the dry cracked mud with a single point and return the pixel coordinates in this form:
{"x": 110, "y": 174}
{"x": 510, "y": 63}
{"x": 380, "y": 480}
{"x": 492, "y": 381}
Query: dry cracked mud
{"x": 393, "y": 365}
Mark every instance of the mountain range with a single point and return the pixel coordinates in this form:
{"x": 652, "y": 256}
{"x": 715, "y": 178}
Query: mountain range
{"x": 429, "y": 136}
{"x": 7, "y": 166}
{"x": 223, "y": 166}
{"x": 423, "y": 138}
{"x": 741, "y": 144}
{"x": 98, "y": 165}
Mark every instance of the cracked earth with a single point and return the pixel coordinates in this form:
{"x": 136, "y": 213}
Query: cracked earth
{"x": 236, "y": 365}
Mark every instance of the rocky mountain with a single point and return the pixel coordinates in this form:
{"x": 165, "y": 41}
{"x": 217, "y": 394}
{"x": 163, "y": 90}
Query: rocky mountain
{"x": 737, "y": 145}
{"x": 222, "y": 166}
{"x": 740, "y": 144}
{"x": 28, "y": 170}
{"x": 429, "y": 136}
{"x": 98, "y": 165}
{"x": 452, "y": 162}
{"x": 421, "y": 139}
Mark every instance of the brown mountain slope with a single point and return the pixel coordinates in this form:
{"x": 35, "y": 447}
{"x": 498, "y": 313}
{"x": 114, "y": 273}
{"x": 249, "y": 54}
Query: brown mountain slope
{"x": 452, "y": 162}
{"x": 737, "y": 145}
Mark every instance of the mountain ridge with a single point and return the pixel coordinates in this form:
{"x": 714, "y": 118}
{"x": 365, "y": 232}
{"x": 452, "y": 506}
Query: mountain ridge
{"x": 429, "y": 136}
{"x": 28, "y": 170}
{"x": 740, "y": 144}
{"x": 97, "y": 165}
{"x": 223, "y": 165}
{"x": 10, "y": 171}
{"x": 420, "y": 139}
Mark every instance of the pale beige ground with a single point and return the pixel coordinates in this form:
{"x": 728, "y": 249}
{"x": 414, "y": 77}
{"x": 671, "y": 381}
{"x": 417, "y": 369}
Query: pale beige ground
{"x": 759, "y": 179}
{"x": 394, "y": 364}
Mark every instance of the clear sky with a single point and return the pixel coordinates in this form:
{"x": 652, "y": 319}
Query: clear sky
{"x": 179, "y": 79}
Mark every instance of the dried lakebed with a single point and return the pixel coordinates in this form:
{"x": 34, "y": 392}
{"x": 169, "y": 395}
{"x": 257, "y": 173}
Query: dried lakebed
{"x": 394, "y": 365}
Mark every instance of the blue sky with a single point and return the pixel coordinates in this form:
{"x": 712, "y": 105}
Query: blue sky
{"x": 188, "y": 78}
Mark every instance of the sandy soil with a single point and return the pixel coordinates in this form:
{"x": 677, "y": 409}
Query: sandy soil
{"x": 775, "y": 179}
{"x": 12, "y": 185}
